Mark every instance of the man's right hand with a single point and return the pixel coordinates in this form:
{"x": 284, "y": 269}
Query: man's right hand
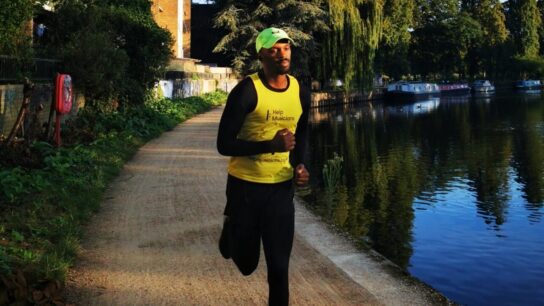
{"x": 283, "y": 141}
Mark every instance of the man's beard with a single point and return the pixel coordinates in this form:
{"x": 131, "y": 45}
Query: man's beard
{"x": 281, "y": 69}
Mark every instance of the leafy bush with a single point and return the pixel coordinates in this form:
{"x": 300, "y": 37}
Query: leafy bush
{"x": 96, "y": 64}
{"x": 42, "y": 210}
{"x": 16, "y": 50}
{"x": 114, "y": 50}
{"x": 14, "y": 39}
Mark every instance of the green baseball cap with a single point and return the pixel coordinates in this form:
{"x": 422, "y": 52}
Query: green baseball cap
{"x": 268, "y": 37}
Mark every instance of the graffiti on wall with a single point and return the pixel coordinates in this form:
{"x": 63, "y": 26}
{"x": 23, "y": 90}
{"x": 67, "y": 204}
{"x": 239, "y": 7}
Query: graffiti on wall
{"x": 166, "y": 88}
{"x": 187, "y": 88}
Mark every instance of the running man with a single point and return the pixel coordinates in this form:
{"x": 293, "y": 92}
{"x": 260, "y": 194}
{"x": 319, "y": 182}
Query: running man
{"x": 263, "y": 129}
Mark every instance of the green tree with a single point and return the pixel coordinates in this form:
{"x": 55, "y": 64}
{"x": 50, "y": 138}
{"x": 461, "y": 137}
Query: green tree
{"x": 490, "y": 15}
{"x": 540, "y": 5}
{"x": 465, "y": 35}
{"x": 243, "y": 20}
{"x": 486, "y": 56}
{"x": 392, "y": 54}
{"x": 430, "y": 37}
{"x": 349, "y": 48}
{"x": 441, "y": 48}
{"x": 434, "y": 11}
{"x": 523, "y": 22}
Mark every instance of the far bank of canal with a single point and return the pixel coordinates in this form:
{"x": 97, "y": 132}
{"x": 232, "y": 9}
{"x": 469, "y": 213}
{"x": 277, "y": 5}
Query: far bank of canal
{"x": 451, "y": 190}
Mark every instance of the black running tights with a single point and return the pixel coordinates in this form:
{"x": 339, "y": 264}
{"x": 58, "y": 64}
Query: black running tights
{"x": 264, "y": 211}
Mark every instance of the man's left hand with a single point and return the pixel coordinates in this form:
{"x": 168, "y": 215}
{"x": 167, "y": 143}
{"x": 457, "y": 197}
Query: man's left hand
{"x": 302, "y": 176}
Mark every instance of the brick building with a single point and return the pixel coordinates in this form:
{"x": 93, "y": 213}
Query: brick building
{"x": 175, "y": 15}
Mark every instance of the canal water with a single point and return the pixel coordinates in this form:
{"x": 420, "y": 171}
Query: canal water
{"x": 451, "y": 190}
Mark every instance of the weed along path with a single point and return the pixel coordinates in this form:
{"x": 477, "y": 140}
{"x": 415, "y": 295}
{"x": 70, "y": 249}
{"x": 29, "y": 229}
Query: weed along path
{"x": 154, "y": 241}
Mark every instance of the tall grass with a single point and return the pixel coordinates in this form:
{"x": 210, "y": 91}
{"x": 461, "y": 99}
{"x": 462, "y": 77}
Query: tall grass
{"x": 332, "y": 172}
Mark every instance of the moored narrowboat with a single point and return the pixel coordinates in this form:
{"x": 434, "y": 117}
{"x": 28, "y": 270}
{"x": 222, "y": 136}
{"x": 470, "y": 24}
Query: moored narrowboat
{"x": 454, "y": 88}
{"x": 405, "y": 92}
{"x": 528, "y": 84}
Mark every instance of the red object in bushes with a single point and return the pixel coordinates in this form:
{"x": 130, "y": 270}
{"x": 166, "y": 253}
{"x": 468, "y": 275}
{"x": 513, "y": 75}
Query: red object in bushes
{"x": 63, "y": 101}
{"x": 63, "y": 93}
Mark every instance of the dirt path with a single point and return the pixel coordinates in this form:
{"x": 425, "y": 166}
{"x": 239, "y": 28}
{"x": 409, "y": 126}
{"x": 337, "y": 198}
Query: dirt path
{"x": 154, "y": 242}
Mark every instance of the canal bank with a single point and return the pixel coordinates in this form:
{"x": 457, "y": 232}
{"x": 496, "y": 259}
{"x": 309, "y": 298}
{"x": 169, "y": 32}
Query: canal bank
{"x": 382, "y": 278}
{"x": 154, "y": 241}
{"x": 327, "y": 98}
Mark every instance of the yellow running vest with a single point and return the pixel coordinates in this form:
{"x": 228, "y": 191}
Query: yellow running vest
{"x": 274, "y": 111}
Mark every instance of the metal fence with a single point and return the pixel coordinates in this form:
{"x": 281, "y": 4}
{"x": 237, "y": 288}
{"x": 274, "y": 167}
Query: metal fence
{"x": 39, "y": 69}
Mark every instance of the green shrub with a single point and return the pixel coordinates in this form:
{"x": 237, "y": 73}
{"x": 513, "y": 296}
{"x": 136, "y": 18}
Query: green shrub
{"x": 42, "y": 210}
{"x": 14, "y": 39}
{"x": 115, "y": 50}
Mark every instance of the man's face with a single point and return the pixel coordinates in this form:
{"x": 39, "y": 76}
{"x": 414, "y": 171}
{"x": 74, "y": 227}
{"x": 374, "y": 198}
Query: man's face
{"x": 277, "y": 59}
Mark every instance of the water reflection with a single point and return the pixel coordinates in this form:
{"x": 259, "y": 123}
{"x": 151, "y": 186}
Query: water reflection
{"x": 529, "y": 91}
{"x": 485, "y": 96}
{"x": 458, "y": 99}
{"x": 416, "y": 108}
{"x": 461, "y": 158}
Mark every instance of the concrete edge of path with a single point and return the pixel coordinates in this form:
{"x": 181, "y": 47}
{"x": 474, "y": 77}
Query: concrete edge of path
{"x": 386, "y": 281}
